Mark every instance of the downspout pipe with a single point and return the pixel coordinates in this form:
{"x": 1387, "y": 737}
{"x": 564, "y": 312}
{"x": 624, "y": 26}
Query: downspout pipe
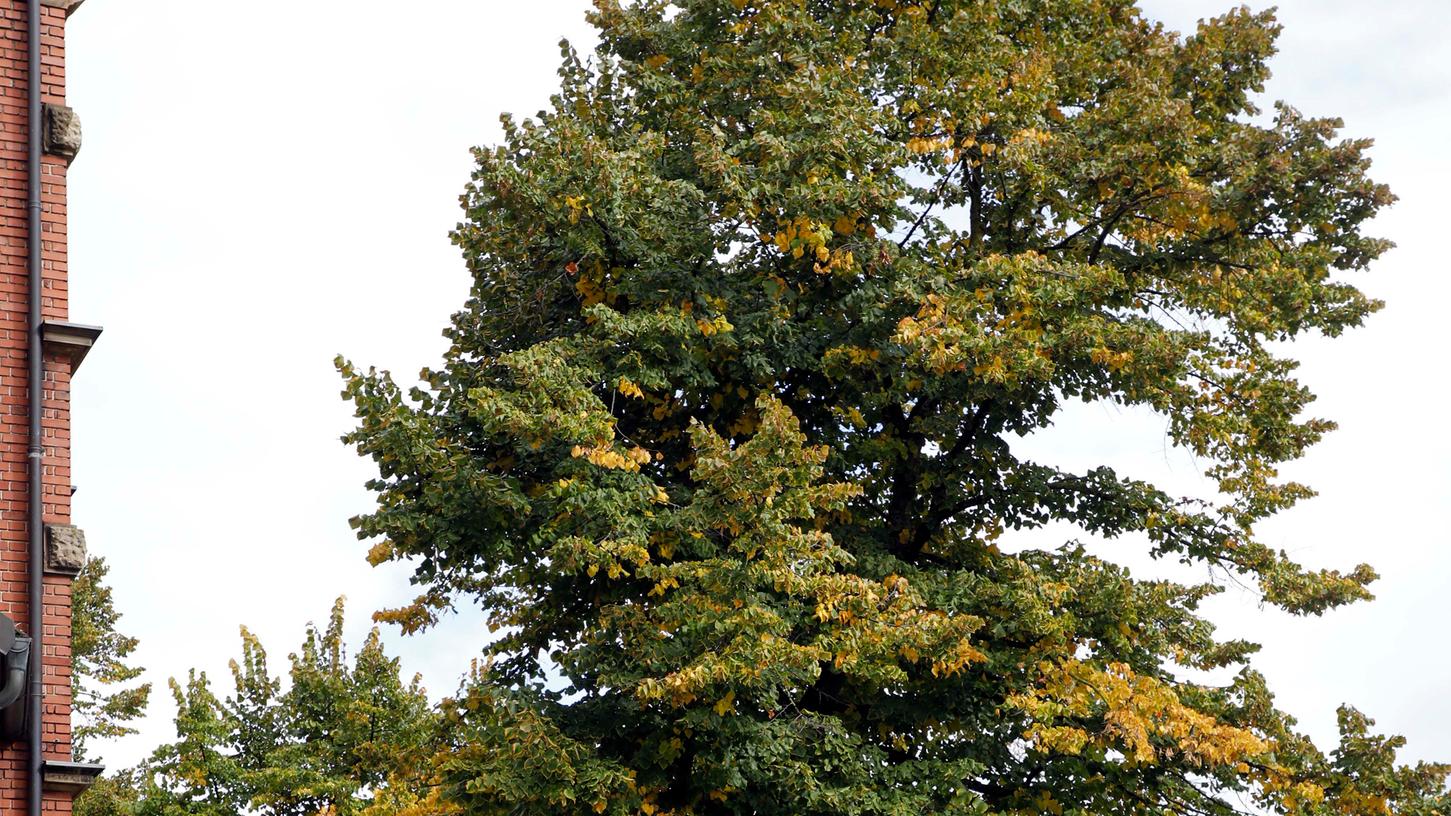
{"x": 17, "y": 663}
{"x": 36, "y": 454}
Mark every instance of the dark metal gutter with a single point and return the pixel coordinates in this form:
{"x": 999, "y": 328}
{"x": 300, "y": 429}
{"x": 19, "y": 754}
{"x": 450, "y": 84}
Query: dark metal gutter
{"x": 36, "y": 356}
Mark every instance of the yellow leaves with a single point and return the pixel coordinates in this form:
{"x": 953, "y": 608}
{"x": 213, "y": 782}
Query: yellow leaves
{"x": 1114, "y": 360}
{"x": 577, "y": 206}
{"x": 908, "y": 329}
{"x": 381, "y": 552}
{"x": 608, "y": 457}
{"x": 1137, "y": 712}
{"x": 411, "y": 618}
{"x": 1295, "y": 794}
{"x": 963, "y": 654}
{"x": 923, "y": 144}
{"x": 852, "y": 355}
{"x": 802, "y": 235}
{"x": 656, "y": 60}
{"x": 1028, "y": 137}
{"x": 949, "y": 334}
{"x": 726, "y": 704}
{"x": 1047, "y": 804}
{"x": 590, "y": 291}
{"x": 745, "y": 424}
{"x": 843, "y": 225}
{"x": 197, "y": 777}
{"x": 1061, "y": 739}
{"x": 841, "y": 262}
{"x": 630, "y": 389}
{"x": 600, "y": 806}
{"x": 663, "y": 586}
{"x": 713, "y": 326}
{"x": 994, "y": 370}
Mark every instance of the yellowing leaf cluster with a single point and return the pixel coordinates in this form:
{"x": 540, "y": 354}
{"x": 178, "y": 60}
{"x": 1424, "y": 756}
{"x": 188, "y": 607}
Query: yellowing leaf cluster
{"x": 610, "y": 457}
{"x": 1140, "y": 716}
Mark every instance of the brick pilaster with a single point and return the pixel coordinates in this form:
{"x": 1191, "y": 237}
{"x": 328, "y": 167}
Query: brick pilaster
{"x": 55, "y": 619}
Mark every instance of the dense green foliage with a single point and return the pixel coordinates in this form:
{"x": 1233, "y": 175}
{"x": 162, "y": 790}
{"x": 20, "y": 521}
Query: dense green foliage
{"x": 725, "y": 441}
{"x": 343, "y": 738}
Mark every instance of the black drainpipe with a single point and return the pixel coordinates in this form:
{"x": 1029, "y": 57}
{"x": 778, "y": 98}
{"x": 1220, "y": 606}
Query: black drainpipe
{"x": 35, "y": 354}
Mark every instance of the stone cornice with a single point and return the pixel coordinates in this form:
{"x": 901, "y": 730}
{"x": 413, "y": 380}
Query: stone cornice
{"x": 70, "y": 6}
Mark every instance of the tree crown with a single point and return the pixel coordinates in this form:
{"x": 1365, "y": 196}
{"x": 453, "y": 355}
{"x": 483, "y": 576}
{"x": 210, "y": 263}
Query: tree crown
{"x": 725, "y": 438}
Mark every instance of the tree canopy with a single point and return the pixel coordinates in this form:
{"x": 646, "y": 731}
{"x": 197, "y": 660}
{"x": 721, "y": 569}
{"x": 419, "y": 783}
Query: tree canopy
{"x": 727, "y": 438}
{"x": 342, "y": 737}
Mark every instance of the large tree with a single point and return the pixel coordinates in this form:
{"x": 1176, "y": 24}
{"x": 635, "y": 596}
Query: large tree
{"x": 727, "y": 439}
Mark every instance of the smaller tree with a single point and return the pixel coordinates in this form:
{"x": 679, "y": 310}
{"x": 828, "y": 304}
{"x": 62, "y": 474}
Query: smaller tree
{"x": 112, "y": 795}
{"x": 342, "y": 734}
{"x": 103, "y": 702}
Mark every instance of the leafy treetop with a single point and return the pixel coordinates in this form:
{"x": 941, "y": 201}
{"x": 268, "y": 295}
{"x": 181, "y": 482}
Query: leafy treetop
{"x": 725, "y": 440}
{"x": 345, "y": 737}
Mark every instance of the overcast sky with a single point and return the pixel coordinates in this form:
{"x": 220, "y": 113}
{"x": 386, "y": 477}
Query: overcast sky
{"x": 267, "y": 184}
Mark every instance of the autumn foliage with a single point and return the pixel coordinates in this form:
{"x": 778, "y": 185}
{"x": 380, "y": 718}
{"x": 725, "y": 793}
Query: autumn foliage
{"x": 726, "y": 440}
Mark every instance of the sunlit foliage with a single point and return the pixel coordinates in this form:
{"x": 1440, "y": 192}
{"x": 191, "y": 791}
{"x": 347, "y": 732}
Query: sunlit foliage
{"x": 341, "y": 737}
{"x": 725, "y": 442}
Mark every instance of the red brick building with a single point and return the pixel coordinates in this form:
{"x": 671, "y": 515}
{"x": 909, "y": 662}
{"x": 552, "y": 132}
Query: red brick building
{"x": 39, "y": 551}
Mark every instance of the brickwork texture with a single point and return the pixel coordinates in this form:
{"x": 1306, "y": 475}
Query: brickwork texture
{"x": 55, "y": 619}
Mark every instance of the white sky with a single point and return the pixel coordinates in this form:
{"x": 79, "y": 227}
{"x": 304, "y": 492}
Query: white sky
{"x": 270, "y": 183}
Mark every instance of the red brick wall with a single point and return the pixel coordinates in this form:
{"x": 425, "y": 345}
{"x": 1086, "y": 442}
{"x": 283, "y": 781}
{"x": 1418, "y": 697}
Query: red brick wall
{"x": 56, "y": 620}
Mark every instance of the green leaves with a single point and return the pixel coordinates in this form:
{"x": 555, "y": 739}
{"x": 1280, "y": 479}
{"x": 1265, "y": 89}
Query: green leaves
{"x": 101, "y": 704}
{"x": 342, "y": 737}
{"x": 727, "y": 439}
